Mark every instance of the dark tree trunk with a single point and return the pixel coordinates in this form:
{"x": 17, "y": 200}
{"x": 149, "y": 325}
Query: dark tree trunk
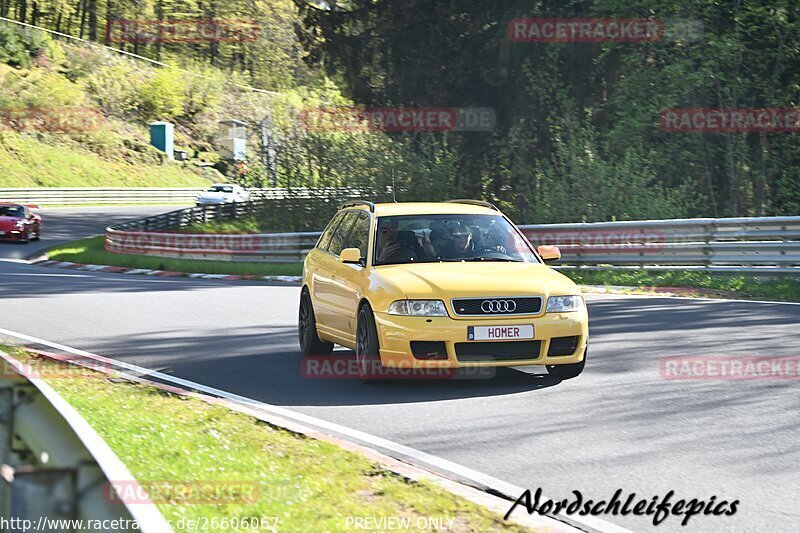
{"x": 92, "y": 20}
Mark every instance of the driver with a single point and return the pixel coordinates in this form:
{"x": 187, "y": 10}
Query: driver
{"x": 461, "y": 241}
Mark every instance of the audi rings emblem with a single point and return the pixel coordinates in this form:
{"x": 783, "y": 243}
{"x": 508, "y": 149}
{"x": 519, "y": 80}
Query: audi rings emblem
{"x": 498, "y": 306}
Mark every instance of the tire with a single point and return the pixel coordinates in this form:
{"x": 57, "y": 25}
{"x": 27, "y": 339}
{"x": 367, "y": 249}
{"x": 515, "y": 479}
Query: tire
{"x": 562, "y": 372}
{"x": 310, "y": 343}
{"x": 38, "y": 234}
{"x": 27, "y": 238}
{"x": 367, "y": 346}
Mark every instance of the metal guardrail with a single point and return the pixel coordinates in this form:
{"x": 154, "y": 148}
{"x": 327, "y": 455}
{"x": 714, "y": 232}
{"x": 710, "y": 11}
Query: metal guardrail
{"x": 55, "y": 467}
{"x": 144, "y": 195}
{"x": 86, "y": 195}
{"x": 723, "y": 244}
{"x": 147, "y": 237}
{"x": 748, "y": 245}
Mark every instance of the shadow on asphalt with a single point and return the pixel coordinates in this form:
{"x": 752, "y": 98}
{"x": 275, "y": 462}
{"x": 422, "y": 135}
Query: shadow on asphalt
{"x": 280, "y": 379}
{"x": 31, "y": 281}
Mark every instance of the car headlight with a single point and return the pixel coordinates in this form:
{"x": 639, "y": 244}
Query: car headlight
{"x": 21, "y": 224}
{"x": 565, "y": 304}
{"x": 418, "y": 308}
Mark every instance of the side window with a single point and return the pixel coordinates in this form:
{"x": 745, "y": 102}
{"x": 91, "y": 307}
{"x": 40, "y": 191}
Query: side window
{"x": 328, "y": 233}
{"x": 338, "y": 240}
{"x": 359, "y": 237}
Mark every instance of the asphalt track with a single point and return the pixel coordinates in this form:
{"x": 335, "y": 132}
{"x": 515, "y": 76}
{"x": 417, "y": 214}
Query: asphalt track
{"x": 619, "y": 426}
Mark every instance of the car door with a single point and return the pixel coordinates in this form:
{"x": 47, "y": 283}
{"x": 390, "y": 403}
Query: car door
{"x": 350, "y": 280}
{"x": 325, "y": 278}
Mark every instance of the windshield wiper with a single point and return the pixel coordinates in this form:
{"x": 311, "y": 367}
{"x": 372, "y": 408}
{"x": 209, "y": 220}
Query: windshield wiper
{"x": 498, "y": 259}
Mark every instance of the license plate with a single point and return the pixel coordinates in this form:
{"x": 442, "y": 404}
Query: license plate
{"x": 2, "y": 232}
{"x": 499, "y": 333}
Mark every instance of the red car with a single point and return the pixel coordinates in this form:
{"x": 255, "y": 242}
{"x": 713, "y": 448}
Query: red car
{"x": 19, "y": 223}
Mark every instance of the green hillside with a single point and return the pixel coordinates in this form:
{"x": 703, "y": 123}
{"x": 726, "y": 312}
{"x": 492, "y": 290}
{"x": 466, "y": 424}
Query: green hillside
{"x": 28, "y": 162}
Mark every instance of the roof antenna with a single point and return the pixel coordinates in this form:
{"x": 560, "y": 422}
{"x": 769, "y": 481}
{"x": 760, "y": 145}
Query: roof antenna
{"x": 394, "y": 189}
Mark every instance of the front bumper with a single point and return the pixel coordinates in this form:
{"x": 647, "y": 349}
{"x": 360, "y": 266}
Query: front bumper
{"x": 397, "y": 332}
{"x": 12, "y": 235}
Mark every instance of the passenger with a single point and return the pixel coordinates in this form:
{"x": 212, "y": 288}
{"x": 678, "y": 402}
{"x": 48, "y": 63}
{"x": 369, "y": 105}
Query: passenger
{"x": 398, "y": 246}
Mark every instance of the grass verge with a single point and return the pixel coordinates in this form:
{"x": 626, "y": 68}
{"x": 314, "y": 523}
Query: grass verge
{"x": 308, "y": 485}
{"x": 91, "y": 251}
{"x": 230, "y": 226}
{"x": 704, "y": 284}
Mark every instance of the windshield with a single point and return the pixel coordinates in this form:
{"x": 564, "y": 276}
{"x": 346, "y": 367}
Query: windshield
{"x": 12, "y": 211}
{"x": 221, "y": 188}
{"x": 448, "y": 238}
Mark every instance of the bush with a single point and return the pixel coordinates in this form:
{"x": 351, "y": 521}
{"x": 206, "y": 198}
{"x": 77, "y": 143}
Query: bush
{"x": 116, "y": 87}
{"x": 581, "y": 183}
{"x": 162, "y": 97}
{"x": 203, "y": 94}
{"x": 38, "y": 88}
{"x": 19, "y": 47}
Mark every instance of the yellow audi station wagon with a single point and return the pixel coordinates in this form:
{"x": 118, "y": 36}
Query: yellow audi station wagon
{"x": 438, "y": 285}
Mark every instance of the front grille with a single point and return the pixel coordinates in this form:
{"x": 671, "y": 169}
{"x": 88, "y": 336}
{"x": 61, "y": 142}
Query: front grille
{"x": 470, "y": 352}
{"x": 497, "y": 306}
{"x": 562, "y": 346}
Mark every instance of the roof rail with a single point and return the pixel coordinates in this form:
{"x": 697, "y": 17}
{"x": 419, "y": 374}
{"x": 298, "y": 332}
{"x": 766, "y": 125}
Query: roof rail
{"x": 474, "y": 202}
{"x": 353, "y": 203}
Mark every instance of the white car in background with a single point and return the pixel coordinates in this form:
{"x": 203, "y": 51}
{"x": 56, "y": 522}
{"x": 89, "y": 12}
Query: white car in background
{"x": 222, "y": 193}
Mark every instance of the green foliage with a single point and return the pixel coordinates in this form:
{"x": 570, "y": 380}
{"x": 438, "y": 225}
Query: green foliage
{"x": 116, "y": 87}
{"x": 39, "y": 88}
{"x": 581, "y": 184}
{"x": 203, "y": 92}
{"x": 393, "y": 52}
{"x": 18, "y": 48}
{"x": 162, "y": 97}
{"x": 577, "y": 134}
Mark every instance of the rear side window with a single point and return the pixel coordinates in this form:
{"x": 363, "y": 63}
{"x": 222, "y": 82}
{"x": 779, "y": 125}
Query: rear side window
{"x": 359, "y": 237}
{"x": 338, "y": 240}
{"x": 328, "y": 233}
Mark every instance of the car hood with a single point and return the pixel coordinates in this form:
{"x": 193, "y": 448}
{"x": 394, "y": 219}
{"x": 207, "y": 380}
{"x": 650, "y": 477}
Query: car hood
{"x": 9, "y": 222}
{"x": 453, "y": 280}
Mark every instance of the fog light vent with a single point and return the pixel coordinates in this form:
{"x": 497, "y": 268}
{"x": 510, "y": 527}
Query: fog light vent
{"x": 562, "y": 346}
{"x": 429, "y": 350}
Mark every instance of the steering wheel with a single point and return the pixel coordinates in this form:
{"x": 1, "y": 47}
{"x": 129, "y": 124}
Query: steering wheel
{"x": 491, "y": 249}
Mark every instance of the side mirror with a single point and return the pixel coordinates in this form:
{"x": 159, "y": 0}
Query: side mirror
{"x": 350, "y": 255}
{"x": 549, "y": 253}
